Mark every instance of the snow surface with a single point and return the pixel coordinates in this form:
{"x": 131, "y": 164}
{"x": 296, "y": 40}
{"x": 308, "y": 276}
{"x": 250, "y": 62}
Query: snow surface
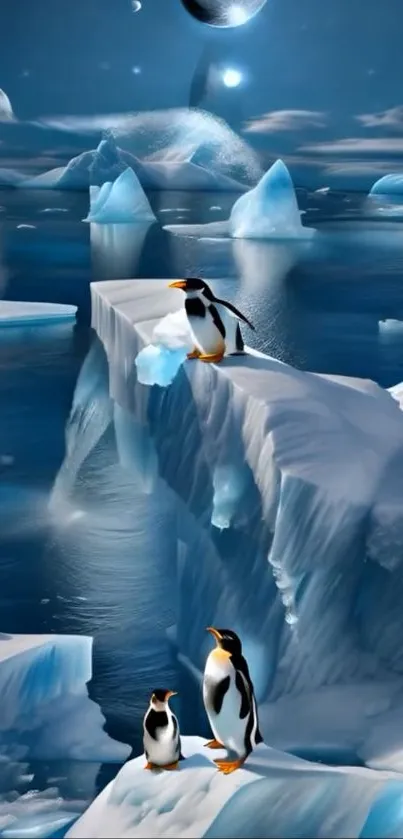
{"x": 319, "y": 532}
{"x": 16, "y": 313}
{"x": 273, "y": 795}
{"x": 123, "y": 201}
{"x": 43, "y": 681}
{"x": 268, "y": 211}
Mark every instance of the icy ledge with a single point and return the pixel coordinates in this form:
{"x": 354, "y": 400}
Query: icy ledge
{"x": 317, "y": 526}
{"x": 44, "y": 700}
{"x": 274, "y": 795}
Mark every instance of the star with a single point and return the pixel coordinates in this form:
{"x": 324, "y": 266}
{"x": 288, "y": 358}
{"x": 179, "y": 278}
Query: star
{"x": 136, "y": 71}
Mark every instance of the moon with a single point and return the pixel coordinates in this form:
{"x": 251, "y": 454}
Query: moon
{"x": 223, "y": 13}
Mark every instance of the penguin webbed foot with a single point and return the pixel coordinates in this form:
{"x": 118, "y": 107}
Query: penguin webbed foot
{"x": 194, "y": 354}
{"x": 229, "y": 766}
{"x": 171, "y": 766}
{"x": 150, "y": 765}
{"x": 214, "y": 744}
{"x": 211, "y": 358}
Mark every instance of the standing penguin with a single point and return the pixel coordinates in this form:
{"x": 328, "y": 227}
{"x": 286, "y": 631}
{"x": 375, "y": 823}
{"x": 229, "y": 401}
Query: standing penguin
{"x": 215, "y": 333}
{"x": 162, "y": 743}
{"x": 229, "y": 700}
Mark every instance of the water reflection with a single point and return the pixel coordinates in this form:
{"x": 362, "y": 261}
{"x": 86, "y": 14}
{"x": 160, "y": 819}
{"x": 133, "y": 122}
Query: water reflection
{"x": 116, "y": 249}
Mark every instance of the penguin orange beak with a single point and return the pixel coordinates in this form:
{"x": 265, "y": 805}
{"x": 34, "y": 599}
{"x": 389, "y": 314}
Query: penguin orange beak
{"x": 171, "y": 693}
{"x": 178, "y": 284}
{"x": 214, "y": 632}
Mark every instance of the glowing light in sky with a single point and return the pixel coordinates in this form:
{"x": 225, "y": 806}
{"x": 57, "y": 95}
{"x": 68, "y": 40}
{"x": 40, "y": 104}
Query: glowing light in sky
{"x": 136, "y": 5}
{"x": 232, "y": 78}
{"x": 237, "y": 16}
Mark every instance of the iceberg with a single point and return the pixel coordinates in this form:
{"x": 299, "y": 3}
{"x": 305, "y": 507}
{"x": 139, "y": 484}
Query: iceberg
{"x": 159, "y": 362}
{"x": 45, "y": 703}
{"x": 274, "y": 795}
{"x": 268, "y": 211}
{"x": 388, "y": 185}
{"x": 121, "y": 202}
{"x": 34, "y": 314}
{"x": 322, "y": 533}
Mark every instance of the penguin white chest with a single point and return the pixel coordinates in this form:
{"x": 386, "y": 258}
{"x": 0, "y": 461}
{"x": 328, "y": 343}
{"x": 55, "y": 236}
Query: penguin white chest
{"x": 162, "y": 749}
{"x": 226, "y": 724}
{"x": 206, "y": 335}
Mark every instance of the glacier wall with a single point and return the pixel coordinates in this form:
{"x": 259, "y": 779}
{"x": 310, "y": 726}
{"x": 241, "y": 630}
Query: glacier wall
{"x": 46, "y": 713}
{"x": 307, "y": 568}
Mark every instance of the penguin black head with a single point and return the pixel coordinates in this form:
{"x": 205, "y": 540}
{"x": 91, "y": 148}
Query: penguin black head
{"x": 160, "y": 696}
{"x": 193, "y": 285}
{"x": 227, "y": 640}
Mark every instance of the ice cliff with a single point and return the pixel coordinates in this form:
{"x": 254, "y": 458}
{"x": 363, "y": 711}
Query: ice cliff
{"x": 307, "y": 567}
{"x": 274, "y": 795}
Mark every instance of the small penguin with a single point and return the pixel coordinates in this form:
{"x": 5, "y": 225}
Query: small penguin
{"x": 215, "y": 333}
{"x": 229, "y": 700}
{"x": 162, "y": 743}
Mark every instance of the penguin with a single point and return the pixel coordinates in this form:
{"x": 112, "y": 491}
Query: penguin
{"x": 215, "y": 333}
{"x": 229, "y": 700}
{"x": 162, "y": 743}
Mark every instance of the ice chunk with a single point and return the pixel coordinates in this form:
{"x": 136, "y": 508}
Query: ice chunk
{"x": 270, "y": 210}
{"x": 43, "y": 681}
{"x": 229, "y": 483}
{"x": 123, "y": 201}
{"x": 276, "y": 795}
{"x": 34, "y": 314}
{"x": 159, "y": 362}
{"x": 158, "y": 365}
{"x": 388, "y": 185}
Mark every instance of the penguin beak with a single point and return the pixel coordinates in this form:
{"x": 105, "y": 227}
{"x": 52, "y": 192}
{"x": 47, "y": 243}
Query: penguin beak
{"x": 215, "y": 633}
{"x": 178, "y": 284}
{"x": 171, "y": 693}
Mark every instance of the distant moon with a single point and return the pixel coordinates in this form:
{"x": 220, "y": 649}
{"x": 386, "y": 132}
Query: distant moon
{"x": 223, "y": 13}
{"x": 6, "y": 111}
{"x": 232, "y": 78}
{"x": 136, "y": 5}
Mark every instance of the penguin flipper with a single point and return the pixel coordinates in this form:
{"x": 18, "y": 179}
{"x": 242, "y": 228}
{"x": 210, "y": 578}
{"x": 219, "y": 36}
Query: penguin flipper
{"x": 235, "y": 312}
{"x": 258, "y": 737}
{"x": 243, "y": 688}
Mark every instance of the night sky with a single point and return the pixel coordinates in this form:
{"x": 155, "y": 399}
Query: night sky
{"x": 334, "y": 70}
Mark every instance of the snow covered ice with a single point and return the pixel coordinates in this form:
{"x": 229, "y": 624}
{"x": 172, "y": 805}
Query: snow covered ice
{"x": 123, "y": 201}
{"x": 273, "y": 795}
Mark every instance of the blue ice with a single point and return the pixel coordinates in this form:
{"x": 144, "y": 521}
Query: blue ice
{"x": 122, "y": 201}
{"x": 229, "y": 484}
{"x": 20, "y": 313}
{"x": 388, "y": 185}
{"x": 158, "y": 365}
{"x": 270, "y": 210}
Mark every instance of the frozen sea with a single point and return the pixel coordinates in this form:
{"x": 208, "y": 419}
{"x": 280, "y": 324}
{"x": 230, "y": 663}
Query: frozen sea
{"x": 334, "y": 306}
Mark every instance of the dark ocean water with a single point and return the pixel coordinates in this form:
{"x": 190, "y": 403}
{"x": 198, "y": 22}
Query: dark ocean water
{"x": 333, "y": 306}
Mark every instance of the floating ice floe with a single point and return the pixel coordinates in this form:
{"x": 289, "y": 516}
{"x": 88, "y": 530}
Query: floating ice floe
{"x": 16, "y": 313}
